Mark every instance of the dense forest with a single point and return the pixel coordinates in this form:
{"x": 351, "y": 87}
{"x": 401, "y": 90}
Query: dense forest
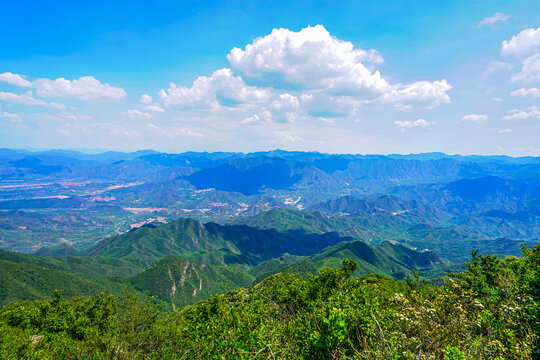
{"x": 489, "y": 311}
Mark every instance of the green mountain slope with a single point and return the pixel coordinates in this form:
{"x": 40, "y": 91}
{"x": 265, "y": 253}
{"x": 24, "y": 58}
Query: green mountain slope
{"x": 209, "y": 243}
{"x": 20, "y": 281}
{"x": 179, "y": 282}
{"x": 395, "y": 261}
{"x": 302, "y": 268}
{"x": 376, "y": 220}
{"x": 285, "y": 219}
{"x": 86, "y": 266}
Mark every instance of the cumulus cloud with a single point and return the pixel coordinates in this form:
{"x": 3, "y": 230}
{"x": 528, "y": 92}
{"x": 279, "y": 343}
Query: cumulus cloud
{"x": 533, "y": 92}
{"x": 150, "y": 106}
{"x": 419, "y": 94}
{"x": 154, "y": 107}
{"x": 522, "y": 44}
{"x": 420, "y": 123}
{"x": 264, "y": 117}
{"x": 15, "y": 79}
{"x": 313, "y": 61}
{"x": 532, "y": 112}
{"x": 474, "y": 118}
{"x": 493, "y": 19}
{"x": 284, "y": 108}
{"x": 530, "y": 71}
{"x": 28, "y": 99}
{"x": 136, "y": 114}
{"x": 322, "y": 105}
{"x": 289, "y": 76}
{"x": 222, "y": 88}
{"x": 506, "y": 131}
{"x": 85, "y": 88}
{"x": 310, "y": 59}
{"x": 145, "y": 99}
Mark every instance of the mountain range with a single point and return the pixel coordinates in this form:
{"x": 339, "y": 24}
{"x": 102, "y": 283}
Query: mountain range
{"x": 181, "y": 227}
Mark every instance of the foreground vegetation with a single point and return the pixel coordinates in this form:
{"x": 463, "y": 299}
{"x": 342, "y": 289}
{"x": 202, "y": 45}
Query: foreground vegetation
{"x": 490, "y": 311}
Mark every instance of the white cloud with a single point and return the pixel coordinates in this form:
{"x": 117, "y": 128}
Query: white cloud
{"x": 153, "y": 107}
{"x": 496, "y": 99}
{"x": 419, "y": 94}
{"x": 264, "y": 117}
{"x": 76, "y": 117}
{"x": 149, "y": 105}
{"x": 506, "y": 131}
{"x": 474, "y": 118}
{"x": 11, "y": 117}
{"x": 145, "y": 99}
{"x": 493, "y": 19}
{"x": 222, "y": 88}
{"x": 310, "y": 59}
{"x": 313, "y": 61}
{"x": 523, "y": 44}
{"x": 532, "y": 112}
{"x": 322, "y": 105}
{"x": 136, "y": 114}
{"x": 323, "y": 77}
{"x": 85, "y": 88}
{"x": 530, "y": 72}
{"x": 420, "y": 123}
{"x": 15, "y": 79}
{"x": 28, "y": 99}
{"x": 533, "y": 92}
{"x": 285, "y": 108}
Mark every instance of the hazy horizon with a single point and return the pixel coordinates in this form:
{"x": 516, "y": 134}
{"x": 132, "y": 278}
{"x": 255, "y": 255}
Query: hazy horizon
{"x": 101, "y": 151}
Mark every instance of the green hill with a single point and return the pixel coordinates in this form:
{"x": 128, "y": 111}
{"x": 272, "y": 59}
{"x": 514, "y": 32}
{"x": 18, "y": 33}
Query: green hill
{"x": 179, "y": 282}
{"x": 284, "y": 219}
{"x": 210, "y": 243}
{"x": 395, "y": 261}
{"x": 302, "y": 268}
{"x": 21, "y": 281}
{"x": 86, "y": 266}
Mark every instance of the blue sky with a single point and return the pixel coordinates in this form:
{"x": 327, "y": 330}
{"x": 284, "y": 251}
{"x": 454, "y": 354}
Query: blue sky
{"x": 348, "y": 77}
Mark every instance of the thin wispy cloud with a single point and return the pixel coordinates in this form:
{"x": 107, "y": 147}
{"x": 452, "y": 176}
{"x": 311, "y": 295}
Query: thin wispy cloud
{"x": 493, "y": 19}
{"x": 407, "y": 124}
{"x": 531, "y": 112}
{"x": 522, "y": 92}
{"x": 477, "y": 118}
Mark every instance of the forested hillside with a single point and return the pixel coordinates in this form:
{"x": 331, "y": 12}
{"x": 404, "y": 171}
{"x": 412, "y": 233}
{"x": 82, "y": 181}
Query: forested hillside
{"x": 490, "y": 311}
